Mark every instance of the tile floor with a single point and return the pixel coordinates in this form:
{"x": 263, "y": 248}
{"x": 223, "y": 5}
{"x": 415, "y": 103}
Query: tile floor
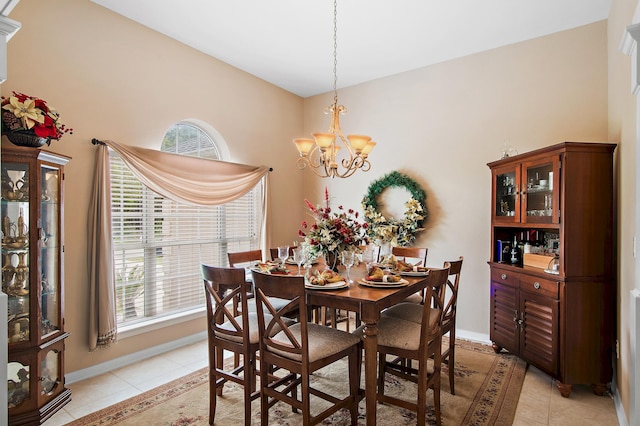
{"x": 540, "y": 402}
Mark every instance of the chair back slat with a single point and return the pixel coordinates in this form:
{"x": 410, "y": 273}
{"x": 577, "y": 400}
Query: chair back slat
{"x": 404, "y": 253}
{"x": 239, "y": 258}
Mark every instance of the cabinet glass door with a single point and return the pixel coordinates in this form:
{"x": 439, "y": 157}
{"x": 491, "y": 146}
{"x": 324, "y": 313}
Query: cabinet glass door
{"x": 50, "y": 372}
{"x": 506, "y": 184}
{"x": 540, "y": 195}
{"x": 15, "y": 249}
{"x": 48, "y": 241}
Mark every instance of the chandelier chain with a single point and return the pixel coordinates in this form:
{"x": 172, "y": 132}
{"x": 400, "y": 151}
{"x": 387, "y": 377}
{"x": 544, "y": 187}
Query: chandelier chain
{"x": 335, "y": 52}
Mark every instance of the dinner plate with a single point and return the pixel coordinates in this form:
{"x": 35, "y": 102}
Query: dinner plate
{"x": 413, "y": 273}
{"x": 379, "y": 284}
{"x": 330, "y": 286}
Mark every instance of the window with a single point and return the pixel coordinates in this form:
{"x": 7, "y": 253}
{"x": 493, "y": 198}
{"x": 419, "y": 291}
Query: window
{"x": 159, "y": 244}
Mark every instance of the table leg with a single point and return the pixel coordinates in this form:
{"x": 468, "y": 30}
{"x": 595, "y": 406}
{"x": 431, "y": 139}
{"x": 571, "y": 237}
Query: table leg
{"x": 370, "y": 369}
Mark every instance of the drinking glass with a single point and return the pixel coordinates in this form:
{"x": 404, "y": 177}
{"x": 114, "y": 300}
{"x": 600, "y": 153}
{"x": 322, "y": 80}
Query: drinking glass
{"x": 368, "y": 257}
{"x": 298, "y": 257}
{"x": 348, "y": 258}
{"x": 283, "y": 253}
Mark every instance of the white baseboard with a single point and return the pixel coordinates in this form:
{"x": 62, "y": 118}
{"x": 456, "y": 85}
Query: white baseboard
{"x": 123, "y": 361}
{"x": 474, "y": 337}
{"x": 617, "y": 402}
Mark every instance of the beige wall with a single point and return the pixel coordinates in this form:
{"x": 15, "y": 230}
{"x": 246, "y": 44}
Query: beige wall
{"x": 442, "y": 124}
{"x": 111, "y": 78}
{"x": 622, "y": 127}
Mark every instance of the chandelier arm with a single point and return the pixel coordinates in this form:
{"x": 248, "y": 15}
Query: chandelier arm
{"x": 354, "y": 162}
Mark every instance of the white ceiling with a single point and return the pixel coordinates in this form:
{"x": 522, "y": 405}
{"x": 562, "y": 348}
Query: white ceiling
{"x": 290, "y": 42}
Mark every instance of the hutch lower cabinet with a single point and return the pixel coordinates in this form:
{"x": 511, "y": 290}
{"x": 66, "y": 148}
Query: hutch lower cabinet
{"x": 32, "y": 278}
{"x": 553, "y": 287}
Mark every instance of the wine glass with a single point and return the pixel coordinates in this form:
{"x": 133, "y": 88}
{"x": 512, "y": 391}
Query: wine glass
{"x": 283, "y": 253}
{"x": 298, "y": 257}
{"x": 347, "y": 260}
{"x": 368, "y": 257}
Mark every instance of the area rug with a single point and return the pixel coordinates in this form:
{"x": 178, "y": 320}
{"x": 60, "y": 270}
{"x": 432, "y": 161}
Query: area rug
{"x": 487, "y": 392}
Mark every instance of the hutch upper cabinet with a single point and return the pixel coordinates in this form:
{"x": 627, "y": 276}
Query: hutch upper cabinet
{"x": 553, "y": 287}
{"x": 32, "y": 277}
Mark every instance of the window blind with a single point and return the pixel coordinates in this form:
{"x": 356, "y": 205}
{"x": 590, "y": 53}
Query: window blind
{"x": 159, "y": 245}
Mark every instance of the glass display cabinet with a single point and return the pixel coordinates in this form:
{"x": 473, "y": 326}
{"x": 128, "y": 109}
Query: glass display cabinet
{"x": 524, "y": 192}
{"x": 32, "y": 277}
{"x": 552, "y": 276}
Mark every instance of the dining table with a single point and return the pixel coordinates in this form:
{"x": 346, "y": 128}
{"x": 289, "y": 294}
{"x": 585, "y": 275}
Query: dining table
{"x": 368, "y": 302}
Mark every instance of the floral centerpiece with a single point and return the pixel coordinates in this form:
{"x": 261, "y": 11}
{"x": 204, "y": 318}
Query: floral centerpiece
{"x": 333, "y": 232}
{"x": 30, "y": 121}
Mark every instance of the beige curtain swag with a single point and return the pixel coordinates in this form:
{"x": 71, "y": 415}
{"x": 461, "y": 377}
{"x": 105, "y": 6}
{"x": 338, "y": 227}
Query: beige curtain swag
{"x": 180, "y": 178}
{"x": 188, "y": 179}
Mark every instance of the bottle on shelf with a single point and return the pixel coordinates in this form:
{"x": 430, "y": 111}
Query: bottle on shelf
{"x": 516, "y": 252}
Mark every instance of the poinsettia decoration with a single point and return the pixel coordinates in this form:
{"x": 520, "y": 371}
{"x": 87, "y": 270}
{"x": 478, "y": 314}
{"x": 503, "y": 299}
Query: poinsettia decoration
{"x": 28, "y": 114}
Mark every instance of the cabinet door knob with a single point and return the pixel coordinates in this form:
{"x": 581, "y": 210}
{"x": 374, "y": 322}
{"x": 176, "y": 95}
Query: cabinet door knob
{"x": 503, "y": 276}
{"x": 536, "y": 285}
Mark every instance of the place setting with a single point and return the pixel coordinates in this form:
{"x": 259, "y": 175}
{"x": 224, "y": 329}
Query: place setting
{"x": 328, "y": 279}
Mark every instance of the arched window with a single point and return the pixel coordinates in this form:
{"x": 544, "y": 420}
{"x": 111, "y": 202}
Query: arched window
{"x": 188, "y": 139}
{"x": 159, "y": 243}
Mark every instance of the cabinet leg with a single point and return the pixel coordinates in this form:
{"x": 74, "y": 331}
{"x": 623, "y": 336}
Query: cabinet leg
{"x": 496, "y": 348}
{"x": 565, "y": 390}
{"x": 599, "y": 389}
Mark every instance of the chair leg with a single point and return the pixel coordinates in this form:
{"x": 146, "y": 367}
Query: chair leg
{"x": 422, "y": 393}
{"x": 436, "y": 401}
{"x": 248, "y": 389}
{"x": 306, "y": 403}
{"x": 381, "y": 372}
{"x": 264, "y": 399}
{"x": 451, "y": 361}
{"x": 212, "y": 387}
{"x": 437, "y": 363}
{"x": 355, "y": 366}
{"x": 219, "y": 363}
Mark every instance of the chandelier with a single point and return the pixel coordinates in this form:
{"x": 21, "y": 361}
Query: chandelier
{"x": 320, "y": 154}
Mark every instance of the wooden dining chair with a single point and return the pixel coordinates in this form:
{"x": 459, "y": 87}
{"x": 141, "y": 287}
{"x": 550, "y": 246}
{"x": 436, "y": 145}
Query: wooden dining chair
{"x": 301, "y": 349}
{"x": 248, "y": 258}
{"x": 413, "y": 312}
{"x": 403, "y": 339}
{"x": 228, "y": 331}
{"x": 413, "y": 255}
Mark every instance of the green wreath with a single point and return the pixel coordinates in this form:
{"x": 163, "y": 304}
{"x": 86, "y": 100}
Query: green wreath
{"x": 399, "y": 232}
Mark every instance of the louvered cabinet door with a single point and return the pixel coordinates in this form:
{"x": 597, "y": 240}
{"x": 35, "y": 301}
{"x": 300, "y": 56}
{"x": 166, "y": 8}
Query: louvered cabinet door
{"x": 539, "y": 331}
{"x": 504, "y": 317}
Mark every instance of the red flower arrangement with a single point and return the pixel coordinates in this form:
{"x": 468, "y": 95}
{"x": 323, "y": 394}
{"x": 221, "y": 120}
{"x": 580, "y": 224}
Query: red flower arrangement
{"x": 30, "y": 115}
{"x": 333, "y": 232}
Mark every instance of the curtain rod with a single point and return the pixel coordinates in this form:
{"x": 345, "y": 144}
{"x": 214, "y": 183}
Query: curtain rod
{"x": 95, "y": 141}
